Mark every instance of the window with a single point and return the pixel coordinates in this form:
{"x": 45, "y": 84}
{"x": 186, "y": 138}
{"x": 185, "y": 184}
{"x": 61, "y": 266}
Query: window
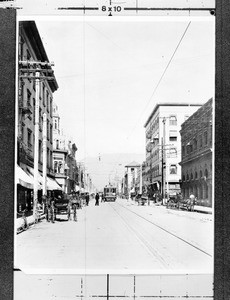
{"x": 29, "y": 138}
{"x": 172, "y": 120}
{"x": 51, "y": 107}
{"x": 173, "y": 152}
{"x": 40, "y": 151}
{"x": 55, "y": 166}
{"x": 205, "y": 138}
{"x": 57, "y": 144}
{"x": 200, "y": 141}
{"x": 48, "y": 130}
{"x": 43, "y": 94}
{"x": 28, "y": 98}
{"x": 34, "y": 104}
{"x": 173, "y": 135}
{"x": 22, "y": 131}
{"x": 47, "y": 101}
{"x": 195, "y": 144}
{"x": 55, "y": 124}
{"x": 173, "y": 169}
{"x": 40, "y": 119}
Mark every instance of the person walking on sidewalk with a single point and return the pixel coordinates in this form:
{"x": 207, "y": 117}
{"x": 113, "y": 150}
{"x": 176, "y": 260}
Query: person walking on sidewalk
{"x": 52, "y": 211}
{"x": 75, "y": 212}
{"x": 69, "y": 210}
{"x": 97, "y": 199}
{"x": 192, "y": 201}
{"x": 87, "y": 199}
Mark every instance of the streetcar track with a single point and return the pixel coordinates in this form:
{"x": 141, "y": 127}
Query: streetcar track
{"x": 167, "y": 231}
{"x": 147, "y": 245}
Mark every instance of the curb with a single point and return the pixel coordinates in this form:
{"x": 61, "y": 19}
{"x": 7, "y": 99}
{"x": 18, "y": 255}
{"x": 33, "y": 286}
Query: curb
{"x": 30, "y": 222}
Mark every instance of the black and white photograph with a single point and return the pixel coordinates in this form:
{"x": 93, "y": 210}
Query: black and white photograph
{"x": 114, "y": 156}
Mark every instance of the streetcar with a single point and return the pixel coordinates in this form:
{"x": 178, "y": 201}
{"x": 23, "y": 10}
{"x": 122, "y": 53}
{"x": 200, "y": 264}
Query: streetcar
{"x": 110, "y": 193}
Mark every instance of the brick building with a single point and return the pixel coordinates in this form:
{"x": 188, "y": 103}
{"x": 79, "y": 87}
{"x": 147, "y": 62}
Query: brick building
{"x": 196, "y": 147}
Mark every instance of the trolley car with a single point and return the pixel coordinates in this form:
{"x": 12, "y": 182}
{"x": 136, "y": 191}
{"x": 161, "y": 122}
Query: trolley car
{"x": 110, "y": 193}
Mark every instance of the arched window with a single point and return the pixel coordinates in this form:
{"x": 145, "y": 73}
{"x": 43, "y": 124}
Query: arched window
{"x": 206, "y": 173}
{"x": 201, "y": 174}
{"x": 196, "y": 175}
{"x": 172, "y": 120}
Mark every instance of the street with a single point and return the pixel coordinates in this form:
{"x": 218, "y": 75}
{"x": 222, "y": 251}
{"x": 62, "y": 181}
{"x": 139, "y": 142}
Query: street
{"x": 119, "y": 237}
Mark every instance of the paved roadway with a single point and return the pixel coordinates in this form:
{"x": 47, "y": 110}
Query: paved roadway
{"x": 119, "y": 237}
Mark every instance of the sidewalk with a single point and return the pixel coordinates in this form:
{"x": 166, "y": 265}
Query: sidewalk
{"x": 30, "y": 221}
{"x": 203, "y": 209}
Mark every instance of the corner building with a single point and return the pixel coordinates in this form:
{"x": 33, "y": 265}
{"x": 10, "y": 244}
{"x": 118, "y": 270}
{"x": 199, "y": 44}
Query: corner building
{"x": 31, "y": 49}
{"x": 196, "y": 147}
{"x": 163, "y": 147}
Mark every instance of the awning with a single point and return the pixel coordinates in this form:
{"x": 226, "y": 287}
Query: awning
{"x": 52, "y": 184}
{"x": 23, "y": 178}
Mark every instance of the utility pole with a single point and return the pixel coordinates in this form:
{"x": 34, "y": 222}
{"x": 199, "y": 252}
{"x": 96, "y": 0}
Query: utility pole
{"x": 44, "y": 170}
{"x": 141, "y": 179}
{"x": 42, "y": 71}
{"x": 36, "y": 144}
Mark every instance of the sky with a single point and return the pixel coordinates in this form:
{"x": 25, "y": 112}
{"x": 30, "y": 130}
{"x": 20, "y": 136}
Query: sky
{"x": 110, "y": 75}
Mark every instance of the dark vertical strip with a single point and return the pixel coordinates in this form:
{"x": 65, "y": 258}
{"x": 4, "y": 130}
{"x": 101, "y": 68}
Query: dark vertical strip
{"x": 107, "y": 286}
{"x": 81, "y": 288}
{"x": 7, "y": 146}
{"x": 222, "y": 153}
{"x": 134, "y": 287}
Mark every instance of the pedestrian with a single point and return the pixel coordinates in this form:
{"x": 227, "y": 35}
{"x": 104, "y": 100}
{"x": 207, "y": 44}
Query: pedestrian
{"x": 97, "y": 199}
{"x": 69, "y": 210}
{"x": 192, "y": 201}
{"x": 52, "y": 211}
{"x": 87, "y": 199}
{"x": 47, "y": 210}
{"x": 75, "y": 212}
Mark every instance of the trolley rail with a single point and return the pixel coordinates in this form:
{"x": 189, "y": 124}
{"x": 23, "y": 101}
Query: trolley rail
{"x": 165, "y": 230}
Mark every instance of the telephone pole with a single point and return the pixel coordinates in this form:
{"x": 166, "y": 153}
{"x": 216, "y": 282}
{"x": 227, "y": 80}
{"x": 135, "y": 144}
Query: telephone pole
{"x": 42, "y": 71}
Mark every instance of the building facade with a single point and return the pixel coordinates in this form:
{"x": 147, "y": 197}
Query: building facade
{"x": 131, "y": 177}
{"x": 31, "y": 52}
{"x": 196, "y": 146}
{"x": 65, "y": 165}
{"x": 163, "y": 147}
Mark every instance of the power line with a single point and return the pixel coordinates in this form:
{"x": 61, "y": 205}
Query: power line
{"x": 159, "y": 81}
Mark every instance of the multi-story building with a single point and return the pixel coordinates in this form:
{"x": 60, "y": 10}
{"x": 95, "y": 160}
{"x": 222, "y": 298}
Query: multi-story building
{"x": 196, "y": 162}
{"x": 130, "y": 179}
{"x": 163, "y": 146}
{"x": 65, "y": 165}
{"x": 31, "y": 49}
